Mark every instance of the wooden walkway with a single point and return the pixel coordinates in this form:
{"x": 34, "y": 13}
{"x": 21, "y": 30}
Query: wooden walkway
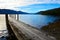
{"x": 26, "y": 32}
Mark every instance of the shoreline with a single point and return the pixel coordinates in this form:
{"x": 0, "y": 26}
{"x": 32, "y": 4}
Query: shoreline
{"x": 53, "y": 29}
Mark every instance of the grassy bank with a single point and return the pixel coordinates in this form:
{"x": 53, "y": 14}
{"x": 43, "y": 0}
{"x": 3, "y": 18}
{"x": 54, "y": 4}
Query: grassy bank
{"x": 53, "y": 29}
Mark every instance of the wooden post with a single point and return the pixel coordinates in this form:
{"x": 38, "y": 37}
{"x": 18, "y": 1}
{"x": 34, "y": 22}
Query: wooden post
{"x": 18, "y": 17}
{"x": 10, "y": 31}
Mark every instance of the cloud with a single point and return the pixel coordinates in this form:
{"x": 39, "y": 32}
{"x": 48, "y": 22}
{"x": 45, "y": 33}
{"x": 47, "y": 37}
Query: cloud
{"x": 11, "y": 4}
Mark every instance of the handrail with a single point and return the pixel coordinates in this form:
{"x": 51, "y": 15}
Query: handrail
{"x": 26, "y": 32}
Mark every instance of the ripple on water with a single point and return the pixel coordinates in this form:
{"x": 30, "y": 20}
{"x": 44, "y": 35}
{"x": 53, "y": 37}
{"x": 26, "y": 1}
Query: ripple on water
{"x": 3, "y": 33}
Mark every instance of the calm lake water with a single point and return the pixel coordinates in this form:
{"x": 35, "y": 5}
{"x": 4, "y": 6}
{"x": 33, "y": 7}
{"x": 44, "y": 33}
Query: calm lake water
{"x": 37, "y": 20}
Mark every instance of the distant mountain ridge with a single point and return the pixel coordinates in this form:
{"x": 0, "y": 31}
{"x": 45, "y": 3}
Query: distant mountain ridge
{"x": 55, "y": 11}
{"x": 8, "y": 11}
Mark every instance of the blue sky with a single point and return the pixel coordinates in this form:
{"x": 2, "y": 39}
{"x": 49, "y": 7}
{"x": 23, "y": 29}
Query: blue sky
{"x": 29, "y": 5}
{"x": 38, "y": 7}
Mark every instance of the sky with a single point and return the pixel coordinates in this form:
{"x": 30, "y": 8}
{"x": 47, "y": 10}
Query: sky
{"x": 18, "y": 4}
{"x": 38, "y": 7}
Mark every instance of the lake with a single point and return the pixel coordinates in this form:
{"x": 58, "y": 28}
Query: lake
{"x": 3, "y": 28}
{"x": 37, "y": 20}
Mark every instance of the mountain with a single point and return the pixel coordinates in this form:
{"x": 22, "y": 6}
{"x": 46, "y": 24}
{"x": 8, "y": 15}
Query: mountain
{"x": 8, "y": 11}
{"x": 55, "y": 11}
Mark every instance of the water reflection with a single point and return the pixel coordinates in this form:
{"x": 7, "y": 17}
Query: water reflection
{"x": 3, "y": 28}
{"x": 37, "y": 20}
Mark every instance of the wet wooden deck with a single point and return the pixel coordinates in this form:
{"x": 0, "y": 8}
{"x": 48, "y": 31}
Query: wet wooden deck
{"x": 26, "y": 32}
